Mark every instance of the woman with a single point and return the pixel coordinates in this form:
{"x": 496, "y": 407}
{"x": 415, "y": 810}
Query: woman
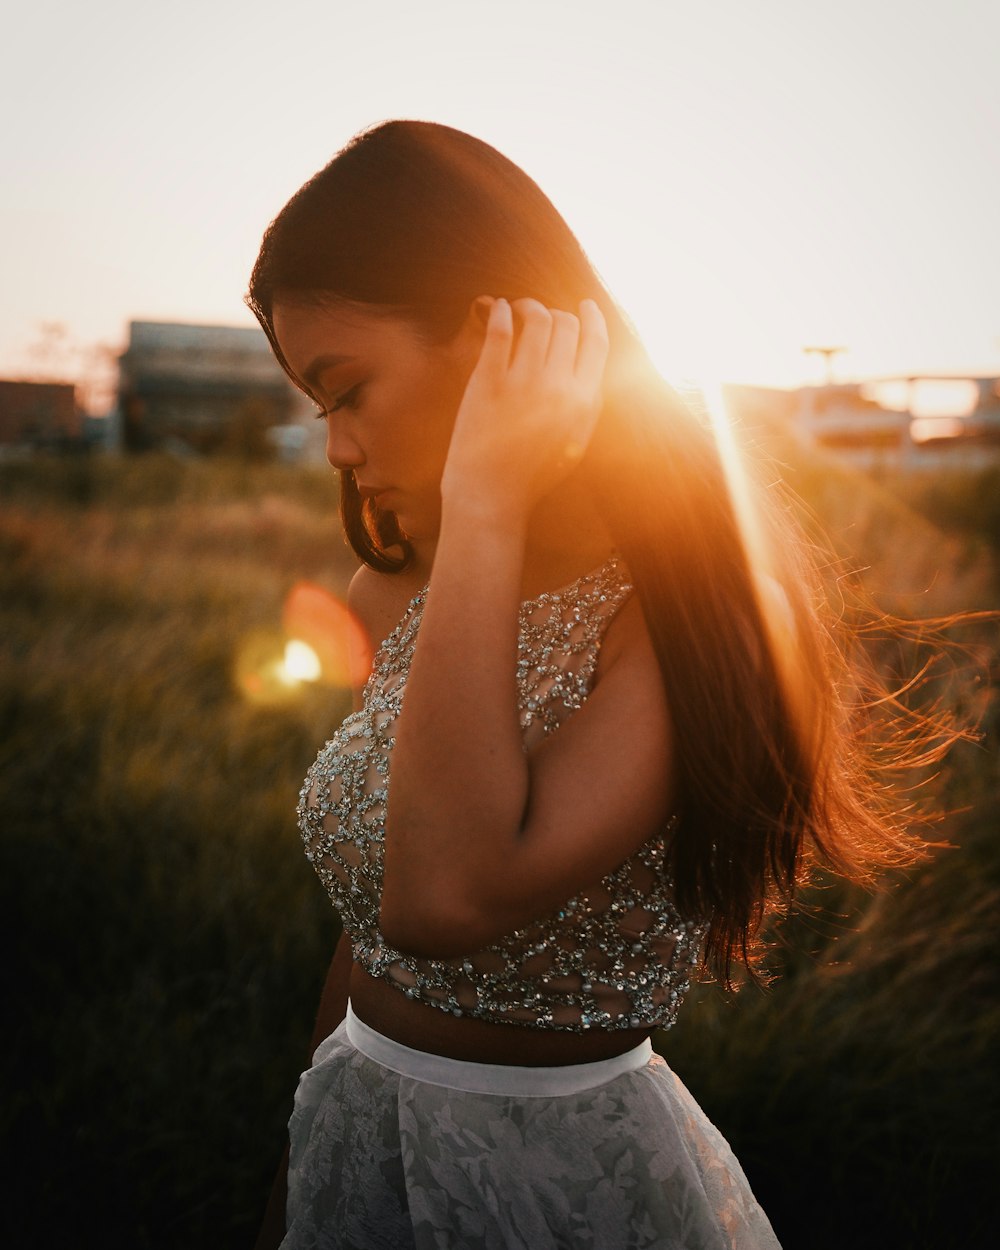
{"x": 621, "y": 744}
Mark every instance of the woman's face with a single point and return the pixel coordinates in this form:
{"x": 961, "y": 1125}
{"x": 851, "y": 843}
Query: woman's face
{"x": 389, "y": 401}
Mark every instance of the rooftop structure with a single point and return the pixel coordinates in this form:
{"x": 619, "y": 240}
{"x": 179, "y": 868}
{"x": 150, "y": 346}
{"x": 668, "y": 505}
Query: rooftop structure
{"x": 905, "y": 423}
{"x": 205, "y": 388}
{"x": 38, "y": 414}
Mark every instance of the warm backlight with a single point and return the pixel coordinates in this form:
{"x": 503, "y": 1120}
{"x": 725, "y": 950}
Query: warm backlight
{"x": 320, "y": 622}
{"x": 301, "y": 662}
{"x": 766, "y": 572}
{"x": 320, "y": 640}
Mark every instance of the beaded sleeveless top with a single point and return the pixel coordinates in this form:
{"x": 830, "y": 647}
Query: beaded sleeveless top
{"x": 615, "y": 956}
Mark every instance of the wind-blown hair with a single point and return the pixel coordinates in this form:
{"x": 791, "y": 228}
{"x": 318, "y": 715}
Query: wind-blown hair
{"x": 776, "y": 772}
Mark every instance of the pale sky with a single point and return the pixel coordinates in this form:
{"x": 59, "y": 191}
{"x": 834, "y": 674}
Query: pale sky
{"x": 749, "y": 176}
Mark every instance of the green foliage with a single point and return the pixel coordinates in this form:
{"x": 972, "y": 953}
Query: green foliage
{"x": 168, "y": 939}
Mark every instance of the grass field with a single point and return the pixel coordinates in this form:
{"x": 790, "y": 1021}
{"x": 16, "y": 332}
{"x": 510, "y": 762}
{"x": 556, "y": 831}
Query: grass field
{"x": 166, "y": 938}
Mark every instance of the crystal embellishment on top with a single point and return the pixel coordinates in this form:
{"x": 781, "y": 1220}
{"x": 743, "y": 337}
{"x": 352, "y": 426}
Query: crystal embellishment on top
{"x": 617, "y": 955}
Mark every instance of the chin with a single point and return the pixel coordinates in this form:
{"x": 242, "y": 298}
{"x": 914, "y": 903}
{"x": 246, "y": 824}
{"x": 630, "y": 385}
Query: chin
{"x": 418, "y": 526}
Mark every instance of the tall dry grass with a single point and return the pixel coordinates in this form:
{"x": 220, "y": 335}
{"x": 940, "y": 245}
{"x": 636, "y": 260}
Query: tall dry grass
{"x": 858, "y": 1088}
{"x": 166, "y": 938}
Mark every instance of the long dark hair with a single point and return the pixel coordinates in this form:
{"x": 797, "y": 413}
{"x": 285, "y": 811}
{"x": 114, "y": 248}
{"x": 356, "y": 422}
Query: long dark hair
{"x": 775, "y": 771}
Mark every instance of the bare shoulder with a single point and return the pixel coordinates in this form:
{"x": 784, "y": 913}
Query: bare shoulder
{"x": 378, "y": 600}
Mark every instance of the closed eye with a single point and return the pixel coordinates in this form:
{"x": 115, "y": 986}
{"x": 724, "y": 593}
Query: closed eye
{"x": 348, "y": 399}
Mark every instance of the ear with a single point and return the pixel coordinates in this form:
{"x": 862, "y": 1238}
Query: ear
{"x": 467, "y": 344}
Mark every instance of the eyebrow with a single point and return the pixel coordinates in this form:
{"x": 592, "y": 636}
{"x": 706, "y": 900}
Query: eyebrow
{"x": 316, "y": 369}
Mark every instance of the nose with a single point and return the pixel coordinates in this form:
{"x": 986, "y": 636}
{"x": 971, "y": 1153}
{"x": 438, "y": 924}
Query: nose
{"x": 342, "y": 450}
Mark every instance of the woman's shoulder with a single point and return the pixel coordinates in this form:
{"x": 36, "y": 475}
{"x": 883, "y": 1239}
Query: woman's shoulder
{"x": 378, "y": 601}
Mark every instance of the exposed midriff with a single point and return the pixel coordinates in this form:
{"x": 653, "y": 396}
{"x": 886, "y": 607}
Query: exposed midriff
{"x": 414, "y": 1024}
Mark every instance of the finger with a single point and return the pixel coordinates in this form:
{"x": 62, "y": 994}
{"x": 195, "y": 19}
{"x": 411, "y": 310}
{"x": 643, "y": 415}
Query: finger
{"x": 479, "y": 310}
{"x": 592, "y": 354}
{"x": 533, "y": 344}
{"x": 494, "y": 355}
{"x": 563, "y": 343}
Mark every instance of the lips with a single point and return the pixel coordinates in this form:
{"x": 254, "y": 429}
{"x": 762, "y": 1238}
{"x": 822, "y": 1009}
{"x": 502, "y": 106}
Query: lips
{"x": 371, "y": 492}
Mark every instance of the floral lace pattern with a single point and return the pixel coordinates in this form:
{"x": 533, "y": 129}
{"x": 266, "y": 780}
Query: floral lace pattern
{"x": 380, "y": 1161}
{"x": 616, "y": 956}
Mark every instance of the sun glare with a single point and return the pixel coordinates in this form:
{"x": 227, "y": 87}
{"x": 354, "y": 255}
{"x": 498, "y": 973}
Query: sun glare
{"x": 327, "y": 628}
{"x": 772, "y": 596}
{"x": 301, "y": 662}
{"x": 319, "y": 641}
{"x": 747, "y": 516}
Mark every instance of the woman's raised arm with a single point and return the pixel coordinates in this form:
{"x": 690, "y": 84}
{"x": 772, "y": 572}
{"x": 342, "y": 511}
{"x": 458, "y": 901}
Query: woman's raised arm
{"x": 481, "y": 838}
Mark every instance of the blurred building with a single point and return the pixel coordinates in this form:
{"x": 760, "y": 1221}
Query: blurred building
{"x": 39, "y": 415}
{"x": 966, "y": 438}
{"x": 843, "y": 419}
{"x": 204, "y": 389}
{"x": 904, "y": 423}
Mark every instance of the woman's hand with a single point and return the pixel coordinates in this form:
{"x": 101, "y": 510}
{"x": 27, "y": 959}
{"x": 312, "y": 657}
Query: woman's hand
{"x": 529, "y": 408}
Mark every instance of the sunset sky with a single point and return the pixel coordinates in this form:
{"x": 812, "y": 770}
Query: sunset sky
{"x": 749, "y": 176}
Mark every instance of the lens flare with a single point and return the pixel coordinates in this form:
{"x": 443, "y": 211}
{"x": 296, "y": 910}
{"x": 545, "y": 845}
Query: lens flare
{"x": 301, "y": 662}
{"x": 320, "y": 641}
{"x": 261, "y": 673}
{"x": 317, "y": 620}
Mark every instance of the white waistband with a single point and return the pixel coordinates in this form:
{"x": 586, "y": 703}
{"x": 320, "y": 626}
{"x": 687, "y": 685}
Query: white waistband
{"x": 491, "y": 1078}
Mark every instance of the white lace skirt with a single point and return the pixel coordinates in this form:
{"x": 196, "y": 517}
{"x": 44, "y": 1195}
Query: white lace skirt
{"x": 396, "y": 1149}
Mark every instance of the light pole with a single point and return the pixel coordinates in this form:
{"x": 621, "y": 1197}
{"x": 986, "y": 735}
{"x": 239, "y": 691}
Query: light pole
{"x": 828, "y": 354}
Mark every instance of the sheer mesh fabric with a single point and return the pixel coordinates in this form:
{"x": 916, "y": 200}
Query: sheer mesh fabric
{"x": 617, "y": 955}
